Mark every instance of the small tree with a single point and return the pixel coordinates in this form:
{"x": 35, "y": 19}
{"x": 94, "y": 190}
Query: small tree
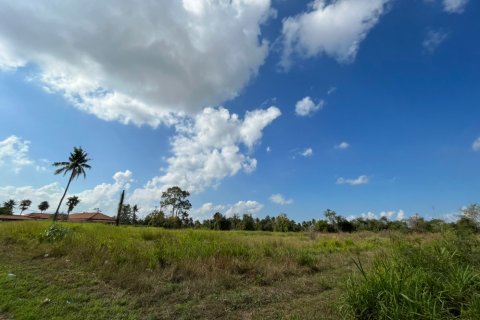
{"x": 472, "y": 213}
{"x": 248, "y": 223}
{"x": 126, "y": 214}
{"x": 176, "y": 199}
{"x": 10, "y": 205}
{"x": 43, "y": 206}
{"x": 135, "y": 209}
{"x": 24, "y": 205}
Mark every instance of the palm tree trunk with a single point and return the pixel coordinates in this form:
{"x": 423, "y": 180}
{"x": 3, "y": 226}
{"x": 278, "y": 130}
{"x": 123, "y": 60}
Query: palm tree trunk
{"x": 61, "y": 200}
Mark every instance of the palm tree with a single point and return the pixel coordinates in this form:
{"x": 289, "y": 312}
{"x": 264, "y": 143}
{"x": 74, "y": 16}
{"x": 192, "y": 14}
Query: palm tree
{"x": 76, "y": 165}
{"x": 43, "y": 206}
{"x": 72, "y": 203}
{"x": 10, "y": 205}
{"x": 24, "y": 205}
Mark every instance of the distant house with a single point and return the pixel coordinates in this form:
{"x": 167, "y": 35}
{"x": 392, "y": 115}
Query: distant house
{"x": 40, "y": 216}
{"x": 90, "y": 217}
{"x": 13, "y": 217}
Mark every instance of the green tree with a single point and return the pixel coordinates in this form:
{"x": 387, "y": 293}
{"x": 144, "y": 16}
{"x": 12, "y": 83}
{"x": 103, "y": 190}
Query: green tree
{"x": 24, "y": 205}
{"x": 332, "y": 219}
{"x": 176, "y": 199}
{"x": 126, "y": 214}
{"x": 156, "y": 218}
{"x": 43, "y": 206}
{"x": 10, "y": 205}
{"x": 472, "y": 213}
{"x": 248, "y": 223}
{"x": 76, "y": 165}
{"x": 283, "y": 223}
{"x": 71, "y": 204}
{"x": 135, "y": 209}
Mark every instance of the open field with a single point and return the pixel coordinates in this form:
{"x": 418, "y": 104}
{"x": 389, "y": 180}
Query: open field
{"x": 97, "y": 271}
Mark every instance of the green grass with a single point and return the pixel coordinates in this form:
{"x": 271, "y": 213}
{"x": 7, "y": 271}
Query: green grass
{"x": 108, "y": 272}
{"x": 438, "y": 280}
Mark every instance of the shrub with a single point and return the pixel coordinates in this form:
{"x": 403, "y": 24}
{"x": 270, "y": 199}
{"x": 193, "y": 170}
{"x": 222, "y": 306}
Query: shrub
{"x": 54, "y": 233}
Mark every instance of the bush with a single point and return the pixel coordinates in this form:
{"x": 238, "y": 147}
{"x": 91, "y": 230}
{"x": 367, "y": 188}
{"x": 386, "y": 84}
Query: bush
{"x": 54, "y": 233}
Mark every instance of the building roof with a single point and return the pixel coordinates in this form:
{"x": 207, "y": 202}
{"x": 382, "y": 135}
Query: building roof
{"x": 90, "y": 216}
{"x": 13, "y": 217}
{"x": 37, "y": 215}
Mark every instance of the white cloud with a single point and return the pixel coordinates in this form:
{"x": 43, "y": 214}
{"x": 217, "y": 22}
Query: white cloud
{"x": 244, "y": 207}
{"x": 476, "y": 145}
{"x": 454, "y": 6}
{"x": 307, "y": 153}
{"x": 207, "y": 210}
{"x": 335, "y": 28}
{"x": 14, "y": 153}
{"x": 104, "y": 196}
{"x": 137, "y": 62}
{"x": 208, "y": 148}
{"x": 390, "y": 215}
{"x": 342, "y": 146}
{"x": 354, "y": 182}
{"x": 306, "y": 107}
{"x": 331, "y": 90}
{"x": 280, "y": 199}
{"x": 433, "y": 40}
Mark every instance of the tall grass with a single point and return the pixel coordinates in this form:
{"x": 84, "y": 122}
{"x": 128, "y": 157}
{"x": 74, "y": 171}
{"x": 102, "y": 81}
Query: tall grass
{"x": 437, "y": 280}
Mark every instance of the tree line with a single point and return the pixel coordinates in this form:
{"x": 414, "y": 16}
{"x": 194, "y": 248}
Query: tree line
{"x": 174, "y": 213}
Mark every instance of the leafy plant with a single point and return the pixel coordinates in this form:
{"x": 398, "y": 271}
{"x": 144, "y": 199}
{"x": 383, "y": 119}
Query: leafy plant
{"x": 55, "y": 233}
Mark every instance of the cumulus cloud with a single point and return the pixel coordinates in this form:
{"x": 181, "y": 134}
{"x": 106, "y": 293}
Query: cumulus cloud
{"x": 354, "y": 182}
{"x": 280, "y": 199}
{"x": 476, "y": 145}
{"x": 433, "y": 40}
{"x": 390, "y": 215}
{"x": 137, "y": 62}
{"x": 306, "y": 107}
{"x": 14, "y": 154}
{"x": 206, "y": 149}
{"x": 307, "y": 153}
{"x": 454, "y": 6}
{"x": 207, "y": 210}
{"x": 342, "y": 146}
{"x": 104, "y": 196}
{"x": 334, "y": 28}
{"x": 244, "y": 207}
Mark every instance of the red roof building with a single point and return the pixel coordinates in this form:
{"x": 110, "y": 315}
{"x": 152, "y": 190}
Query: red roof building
{"x": 13, "y": 217}
{"x": 90, "y": 217}
{"x": 40, "y": 216}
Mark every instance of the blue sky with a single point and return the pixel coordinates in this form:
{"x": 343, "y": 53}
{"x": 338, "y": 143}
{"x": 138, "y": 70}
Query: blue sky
{"x": 367, "y": 107}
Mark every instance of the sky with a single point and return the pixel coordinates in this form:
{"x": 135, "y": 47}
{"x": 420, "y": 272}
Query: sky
{"x": 366, "y": 107}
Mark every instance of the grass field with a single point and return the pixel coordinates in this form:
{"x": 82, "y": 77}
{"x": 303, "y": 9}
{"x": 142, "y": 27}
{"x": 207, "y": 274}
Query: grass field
{"x": 95, "y": 271}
